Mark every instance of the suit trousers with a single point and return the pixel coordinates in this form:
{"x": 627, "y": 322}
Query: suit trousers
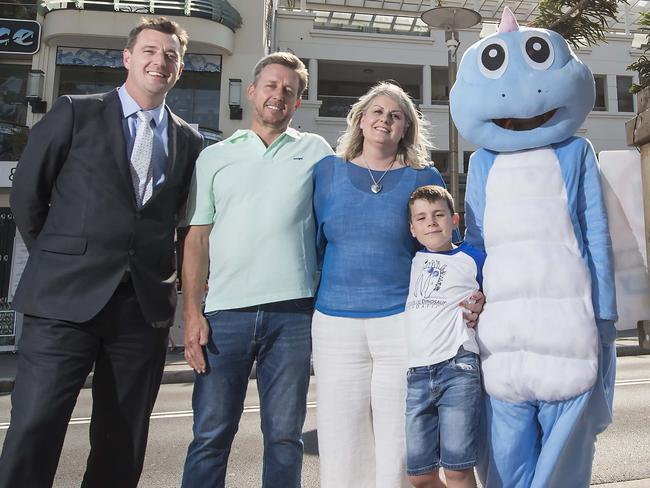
{"x": 55, "y": 358}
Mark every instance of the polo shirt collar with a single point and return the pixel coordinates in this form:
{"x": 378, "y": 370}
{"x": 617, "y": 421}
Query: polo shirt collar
{"x": 243, "y": 134}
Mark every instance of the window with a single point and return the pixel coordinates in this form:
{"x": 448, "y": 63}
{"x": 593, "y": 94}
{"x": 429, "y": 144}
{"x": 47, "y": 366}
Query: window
{"x": 625, "y": 98}
{"x": 13, "y": 110}
{"x": 18, "y": 9}
{"x": 601, "y": 93}
{"x": 439, "y": 86}
{"x": 13, "y": 83}
{"x": 440, "y": 160}
{"x": 466, "y": 156}
{"x": 337, "y": 96}
{"x": 78, "y": 80}
{"x": 195, "y": 97}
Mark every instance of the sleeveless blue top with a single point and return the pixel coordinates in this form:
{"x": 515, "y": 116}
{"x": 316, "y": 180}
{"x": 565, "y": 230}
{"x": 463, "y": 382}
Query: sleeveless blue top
{"x": 364, "y": 244}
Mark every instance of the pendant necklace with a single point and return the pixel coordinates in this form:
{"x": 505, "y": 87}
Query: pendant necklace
{"x": 376, "y": 184}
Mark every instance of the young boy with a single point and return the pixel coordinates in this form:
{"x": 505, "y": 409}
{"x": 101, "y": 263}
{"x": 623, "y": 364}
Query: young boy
{"x": 443, "y": 404}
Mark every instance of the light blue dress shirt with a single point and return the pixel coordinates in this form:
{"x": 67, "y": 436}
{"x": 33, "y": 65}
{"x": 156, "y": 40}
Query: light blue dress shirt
{"x": 160, "y": 123}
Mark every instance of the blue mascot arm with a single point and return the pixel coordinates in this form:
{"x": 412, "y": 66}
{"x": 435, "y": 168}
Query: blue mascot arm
{"x": 592, "y": 217}
{"x": 479, "y": 166}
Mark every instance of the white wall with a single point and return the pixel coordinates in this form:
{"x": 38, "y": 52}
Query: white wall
{"x": 248, "y": 49}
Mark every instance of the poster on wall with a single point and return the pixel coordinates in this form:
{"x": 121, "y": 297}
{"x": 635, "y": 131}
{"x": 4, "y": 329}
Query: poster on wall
{"x": 7, "y": 315}
{"x": 623, "y": 192}
{"x": 11, "y": 321}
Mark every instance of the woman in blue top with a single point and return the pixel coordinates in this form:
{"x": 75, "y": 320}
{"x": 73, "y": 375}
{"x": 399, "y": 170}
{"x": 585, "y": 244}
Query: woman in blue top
{"x": 359, "y": 344}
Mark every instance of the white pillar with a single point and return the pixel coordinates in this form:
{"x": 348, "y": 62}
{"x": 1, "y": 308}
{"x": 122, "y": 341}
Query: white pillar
{"x": 303, "y": 5}
{"x": 426, "y": 84}
{"x": 611, "y": 93}
{"x": 313, "y": 80}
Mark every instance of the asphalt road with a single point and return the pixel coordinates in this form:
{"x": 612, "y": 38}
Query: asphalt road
{"x": 623, "y": 451}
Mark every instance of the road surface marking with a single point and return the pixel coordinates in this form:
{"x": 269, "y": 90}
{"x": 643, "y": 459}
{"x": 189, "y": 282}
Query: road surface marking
{"x": 256, "y": 408}
{"x": 160, "y": 415}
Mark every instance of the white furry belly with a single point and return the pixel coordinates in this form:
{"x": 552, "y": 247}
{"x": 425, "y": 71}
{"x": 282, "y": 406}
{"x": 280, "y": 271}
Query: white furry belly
{"x": 537, "y": 333}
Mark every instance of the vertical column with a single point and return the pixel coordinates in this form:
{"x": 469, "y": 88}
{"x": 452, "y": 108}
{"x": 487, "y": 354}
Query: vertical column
{"x": 611, "y": 93}
{"x": 626, "y": 18}
{"x": 638, "y": 134}
{"x": 426, "y": 84}
{"x": 313, "y": 80}
{"x": 451, "y": 39}
{"x": 303, "y": 5}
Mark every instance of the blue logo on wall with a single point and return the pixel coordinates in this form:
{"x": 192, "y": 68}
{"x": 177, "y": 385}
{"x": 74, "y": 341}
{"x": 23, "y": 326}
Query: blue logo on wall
{"x": 19, "y": 36}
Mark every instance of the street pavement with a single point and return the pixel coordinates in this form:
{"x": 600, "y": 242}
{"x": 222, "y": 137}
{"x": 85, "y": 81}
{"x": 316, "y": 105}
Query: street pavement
{"x": 620, "y": 450}
{"x": 177, "y": 370}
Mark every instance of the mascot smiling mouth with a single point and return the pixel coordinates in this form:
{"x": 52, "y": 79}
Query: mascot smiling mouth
{"x": 525, "y": 124}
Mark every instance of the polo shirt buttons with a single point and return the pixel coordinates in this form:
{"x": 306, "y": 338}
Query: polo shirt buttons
{"x": 131, "y": 252}
{"x": 138, "y": 216}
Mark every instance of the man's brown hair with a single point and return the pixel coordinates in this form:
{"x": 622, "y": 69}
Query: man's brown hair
{"x": 431, "y": 193}
{"x": 160, "y": 24}
{"x": 289, "y": 60}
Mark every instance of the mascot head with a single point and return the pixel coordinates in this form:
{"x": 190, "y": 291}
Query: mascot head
{"x": 520, "y": 88}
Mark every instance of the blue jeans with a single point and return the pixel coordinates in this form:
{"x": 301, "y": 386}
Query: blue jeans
{"x": 278, "y": 336}
{"x": 443, "y": 410}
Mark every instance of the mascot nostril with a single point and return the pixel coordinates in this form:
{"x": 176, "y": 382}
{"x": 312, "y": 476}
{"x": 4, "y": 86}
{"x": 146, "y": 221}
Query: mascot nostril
{"x": 534, "y": 203}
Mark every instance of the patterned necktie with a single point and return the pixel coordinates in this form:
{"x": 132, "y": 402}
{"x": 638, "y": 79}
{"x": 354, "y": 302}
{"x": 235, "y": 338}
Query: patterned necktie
{"x": 141, "y": 172}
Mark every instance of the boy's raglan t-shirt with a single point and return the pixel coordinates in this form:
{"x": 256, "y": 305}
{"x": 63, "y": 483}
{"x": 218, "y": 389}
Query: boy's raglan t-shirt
{"x": 435, "y": 327}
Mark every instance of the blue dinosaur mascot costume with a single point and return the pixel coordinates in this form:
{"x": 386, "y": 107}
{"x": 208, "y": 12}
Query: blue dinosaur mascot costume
{"x": 534, "y": 203}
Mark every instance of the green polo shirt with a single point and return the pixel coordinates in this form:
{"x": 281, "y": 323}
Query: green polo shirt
{"x": 259, "y": 201}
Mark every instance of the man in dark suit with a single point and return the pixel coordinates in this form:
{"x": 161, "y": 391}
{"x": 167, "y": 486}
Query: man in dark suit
{"x": 96, "y": 197}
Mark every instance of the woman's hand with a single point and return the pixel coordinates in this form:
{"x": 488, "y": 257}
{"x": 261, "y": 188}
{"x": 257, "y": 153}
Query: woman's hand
{"x": 473, "y": 307}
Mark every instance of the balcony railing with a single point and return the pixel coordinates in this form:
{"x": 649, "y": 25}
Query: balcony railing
{"x": 335, "y": 105}
{"x": 218, "y": 10}
{"x": 339, "y": 106}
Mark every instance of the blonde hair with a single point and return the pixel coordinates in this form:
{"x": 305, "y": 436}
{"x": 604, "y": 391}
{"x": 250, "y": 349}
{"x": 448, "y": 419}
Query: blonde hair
{"x": 413, "y": 148}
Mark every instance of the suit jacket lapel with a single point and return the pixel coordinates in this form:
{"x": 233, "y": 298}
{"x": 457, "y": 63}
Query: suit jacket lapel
{"x": 114, "y": 131}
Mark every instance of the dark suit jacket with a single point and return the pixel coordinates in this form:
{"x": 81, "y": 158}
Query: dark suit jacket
{"x": 74, "y": 205}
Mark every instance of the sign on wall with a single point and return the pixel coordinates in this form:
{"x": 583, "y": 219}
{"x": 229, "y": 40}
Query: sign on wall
{"x": 19, "y": 36}
{"x": 9, "y": 265}
{"x": 7, "y": 170}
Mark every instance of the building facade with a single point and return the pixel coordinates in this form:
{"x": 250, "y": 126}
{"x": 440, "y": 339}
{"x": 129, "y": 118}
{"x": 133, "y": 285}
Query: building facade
{"x": 348, "y": 45}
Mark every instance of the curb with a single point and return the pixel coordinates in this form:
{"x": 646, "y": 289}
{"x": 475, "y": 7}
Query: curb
{"x": 6, "y": 385}
{"x": 178, "y": 372}
{"x": 631, "y": 351}
{"x": 169, "y": 377}
{"x": 174, "y": 373}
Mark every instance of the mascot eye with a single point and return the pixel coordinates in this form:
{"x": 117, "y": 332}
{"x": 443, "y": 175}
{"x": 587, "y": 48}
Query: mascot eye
{"x": 493, "y": 59}
{"x": 538, "y": 52}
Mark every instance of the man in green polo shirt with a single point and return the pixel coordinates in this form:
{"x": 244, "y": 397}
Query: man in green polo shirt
{"x": 250, "y": 216}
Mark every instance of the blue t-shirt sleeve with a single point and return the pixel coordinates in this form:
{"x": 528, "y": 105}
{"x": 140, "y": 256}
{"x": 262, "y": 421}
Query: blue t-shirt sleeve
{"x": 322, "y": 178}
{"x": 431, "y": 176}
{"x": 479, "y": 258}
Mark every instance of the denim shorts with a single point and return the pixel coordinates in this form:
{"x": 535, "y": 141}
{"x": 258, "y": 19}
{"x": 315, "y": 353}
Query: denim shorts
{"x": 443, "y": 409}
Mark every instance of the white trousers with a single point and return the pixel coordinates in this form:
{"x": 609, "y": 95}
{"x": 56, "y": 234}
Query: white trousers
{"x": 360, "y": 367}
